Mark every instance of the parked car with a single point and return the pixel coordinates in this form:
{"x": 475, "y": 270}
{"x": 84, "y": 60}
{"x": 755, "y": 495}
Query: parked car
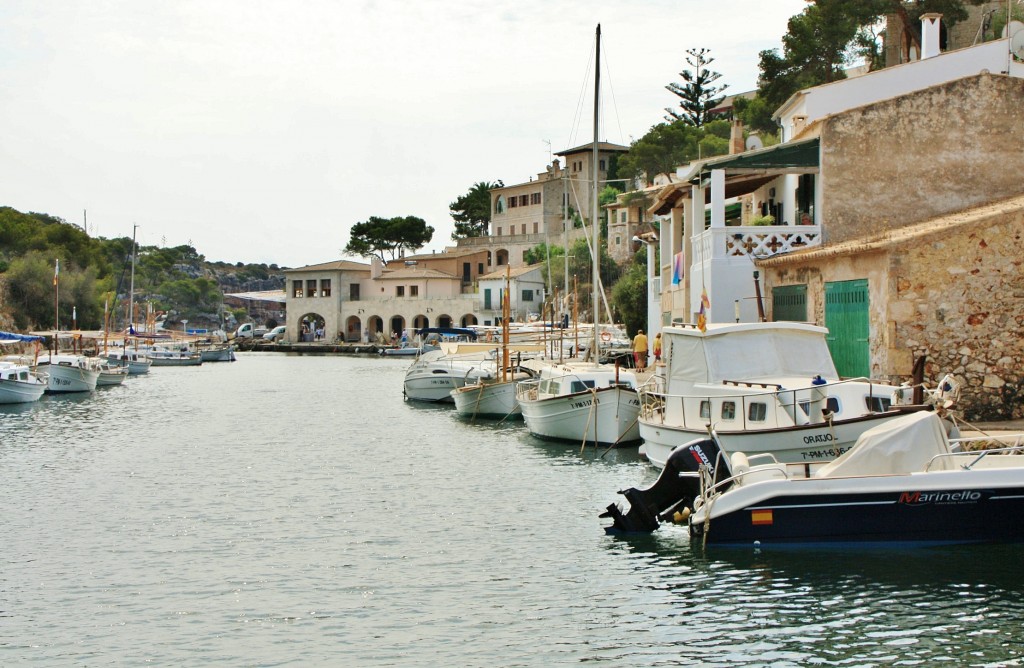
{"x": 249, "y": 331}
{"x": 275, "y": 334}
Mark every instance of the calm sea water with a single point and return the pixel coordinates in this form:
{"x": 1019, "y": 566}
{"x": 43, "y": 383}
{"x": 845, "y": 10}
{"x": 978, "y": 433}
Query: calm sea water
{"x": 295, "y": 511}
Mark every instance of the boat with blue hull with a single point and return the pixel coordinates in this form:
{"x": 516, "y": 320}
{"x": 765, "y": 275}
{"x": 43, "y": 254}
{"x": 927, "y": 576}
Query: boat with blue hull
{"x": 902, "y": 482}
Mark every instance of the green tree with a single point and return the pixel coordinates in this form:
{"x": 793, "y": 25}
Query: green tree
{"x": 379, "y": 236}
{"x": 30, "y": 291}
{"x": 472, "y": 211}
{"x": 629, "y": 295}
{"x": 668, "y": 145}
{"x": 697, "y": 94}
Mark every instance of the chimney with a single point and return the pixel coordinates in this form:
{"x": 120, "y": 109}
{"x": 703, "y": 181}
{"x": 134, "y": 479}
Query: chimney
{"x": 736, "y": 144}
{"x": 930, "y": 24}
{"x": 376, "y": 267}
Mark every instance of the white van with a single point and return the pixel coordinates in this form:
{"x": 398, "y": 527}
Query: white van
{"x": 249, "y": 330}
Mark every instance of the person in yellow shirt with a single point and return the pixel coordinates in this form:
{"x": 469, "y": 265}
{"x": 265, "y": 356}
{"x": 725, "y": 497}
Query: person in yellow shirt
{"x": 657, "y": 348}
{"x": 640, "y": 350}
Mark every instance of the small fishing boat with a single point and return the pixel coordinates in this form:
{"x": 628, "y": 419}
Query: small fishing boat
{"x": 436, "y": 373}
{"x": 218, "y": 353}
{"x": 134, "y": 360}
{"x": 110, "y": 374}
{"x": 160, "y": 356}
{"x": 19, "y": 384}
{"x": 903, "y": 481}
{"x": 69, "y": 372}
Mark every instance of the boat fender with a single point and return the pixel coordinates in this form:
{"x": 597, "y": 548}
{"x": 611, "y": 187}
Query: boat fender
{"x": 680, "y": 516}
{"x": 605, "y": 336}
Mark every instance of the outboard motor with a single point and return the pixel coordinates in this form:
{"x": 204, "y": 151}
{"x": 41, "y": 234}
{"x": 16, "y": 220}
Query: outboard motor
{"x": 676, "y": 487}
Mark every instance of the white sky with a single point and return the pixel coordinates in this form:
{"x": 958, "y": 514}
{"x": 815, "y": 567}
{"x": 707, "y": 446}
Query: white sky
{"x": 260, "y": 130}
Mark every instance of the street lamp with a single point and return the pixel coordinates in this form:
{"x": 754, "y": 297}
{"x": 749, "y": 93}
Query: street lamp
{"x": 653, "y": 321}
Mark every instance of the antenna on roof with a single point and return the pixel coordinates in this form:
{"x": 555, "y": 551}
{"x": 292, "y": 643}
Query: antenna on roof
{"x": 548, "y": 143}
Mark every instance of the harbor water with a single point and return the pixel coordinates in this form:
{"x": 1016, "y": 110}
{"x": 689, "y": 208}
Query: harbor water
{"x": 294, "y": 510}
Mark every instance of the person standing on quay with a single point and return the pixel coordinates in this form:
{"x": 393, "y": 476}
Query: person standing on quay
{"x": 657, "y": 348}
{"x": 640, "y": 350}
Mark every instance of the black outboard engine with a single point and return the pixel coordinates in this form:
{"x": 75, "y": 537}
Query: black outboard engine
{"x": 676, "y": 487}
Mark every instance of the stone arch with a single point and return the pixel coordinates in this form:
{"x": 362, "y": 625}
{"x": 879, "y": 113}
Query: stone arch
{"x": 397, "y": 325}
{"x": 469, "y": 320}
{"x": 376, "y": 326}
{"x": 444, "y": 320}
{"x": 309, "y": 325}
{"x": 501, "y": 256}
{"x": 420, "y": 321}
{"x": 353, "y": 330}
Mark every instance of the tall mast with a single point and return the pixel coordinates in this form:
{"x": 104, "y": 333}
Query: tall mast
{"x": 593, "y": 211}
{"x": 131, "y": 290}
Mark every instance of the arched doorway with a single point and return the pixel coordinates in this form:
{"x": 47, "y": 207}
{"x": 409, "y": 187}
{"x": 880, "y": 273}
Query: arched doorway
{"x": 353, "y": 330}
{"x": 444, "y": 320}
{"x": 420, "y": 321}
{"x": 311, "y": 328}
{"x": 376, "y": 326}
{"x": 397, "y": 326}
{"x": 469, "y": 320}
{"x": 501, "y": 257}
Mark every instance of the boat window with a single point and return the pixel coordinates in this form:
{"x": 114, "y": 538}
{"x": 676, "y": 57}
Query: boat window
{"x": 877, "y": 404}
{"x": 832, "y": 404}
{"x": 728, "y": 410}
{"x": 23, "y": 375}
{"x": 581, "y": 385}
{"x": 545, "y": 386}
{"x": 7, "y": 376}
{"x": 439, "y": 371}
{"x": 757, "y": 412}
{"x": 705, "y": 409}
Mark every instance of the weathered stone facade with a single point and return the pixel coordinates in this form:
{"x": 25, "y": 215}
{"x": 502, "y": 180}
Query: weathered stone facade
{"x": 950, "y": 289}
{"x": 925, "y": 154}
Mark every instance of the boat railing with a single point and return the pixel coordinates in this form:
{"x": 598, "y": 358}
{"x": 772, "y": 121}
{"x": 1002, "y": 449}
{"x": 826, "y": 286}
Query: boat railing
{"x": 1016, "y": 449}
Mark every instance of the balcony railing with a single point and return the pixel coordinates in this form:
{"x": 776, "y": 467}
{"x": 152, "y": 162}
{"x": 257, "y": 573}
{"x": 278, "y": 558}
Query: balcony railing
{"x": 756, "y": 241}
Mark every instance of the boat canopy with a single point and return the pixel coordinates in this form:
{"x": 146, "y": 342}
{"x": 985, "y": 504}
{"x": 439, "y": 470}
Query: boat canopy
{"x": 448, "y": 331}
{"x": 748, "y": 351}
{"x": 11, "y": 337}
{"x": 899, "y": 446}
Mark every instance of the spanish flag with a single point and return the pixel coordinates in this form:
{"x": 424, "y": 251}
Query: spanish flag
{"x": 761, "y": 517}
{"x": 56, "y": 270}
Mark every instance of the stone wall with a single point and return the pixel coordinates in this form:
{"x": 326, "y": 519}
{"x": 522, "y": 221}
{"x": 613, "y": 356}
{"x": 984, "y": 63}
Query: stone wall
{"x": 922, "y": 155}
{"x": 959, "y": 298}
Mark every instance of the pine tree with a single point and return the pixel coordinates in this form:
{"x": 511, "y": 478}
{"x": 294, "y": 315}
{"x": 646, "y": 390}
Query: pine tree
{"x": 698, "y": 95}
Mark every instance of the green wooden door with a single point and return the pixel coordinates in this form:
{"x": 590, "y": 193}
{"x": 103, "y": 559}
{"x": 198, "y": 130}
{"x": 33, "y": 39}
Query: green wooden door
{"x": 789, "y": 302}
{"x": 846, "y": 317}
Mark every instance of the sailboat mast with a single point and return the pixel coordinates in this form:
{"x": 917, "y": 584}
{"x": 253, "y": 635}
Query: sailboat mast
{"x": 593, "y": 212}
{"x": 131, "y": 289}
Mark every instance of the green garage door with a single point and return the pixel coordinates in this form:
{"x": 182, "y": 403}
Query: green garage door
{"x": 846, "y": 317}
{"x": 789, "y": 302}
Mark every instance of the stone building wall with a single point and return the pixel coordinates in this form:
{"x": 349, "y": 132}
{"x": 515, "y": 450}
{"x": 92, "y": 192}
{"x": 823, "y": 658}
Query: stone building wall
{"x": 959, "y": 298}
{"x": 922, "y": 155}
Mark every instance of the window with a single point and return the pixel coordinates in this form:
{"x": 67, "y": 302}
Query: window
{"x": 618, "y": 240}
{"x": 311, "y": 287}
{"x": 527, "y": 295}
{"x": 325, "y": 287}
{"x": 622, "y": 215}
{"x": 479, "y": 267}
{"x": 522, "y": 228}
{"x": 524, "y": 200}
{"x": 877, "y": 404}
{"x": 535, "y": 198}
{"x": 601, "y": 163}
{"x": 297, "y": 289}
{"x": 536, "y": 228}
{"x": 400, "y": 291}
{"x": 705, "y": 409}
{"x": 525, "y": 255}
{"x": 581, "y": 385}
{"x": 414, "y": 291}
{"x": 728, "y": 410}
{"x": 499, "y": 231}
{"x": 353, "y": 291}
{"x": 512, "y": 202}
{"x": 757, "y": 412}
{"x": 487, "y": 298}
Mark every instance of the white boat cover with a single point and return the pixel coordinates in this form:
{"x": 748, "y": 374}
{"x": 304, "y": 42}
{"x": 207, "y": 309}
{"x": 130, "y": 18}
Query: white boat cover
{"x": 896, "y": 447}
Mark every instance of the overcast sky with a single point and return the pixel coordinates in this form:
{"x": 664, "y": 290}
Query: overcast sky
{"x": 260, "y": 131}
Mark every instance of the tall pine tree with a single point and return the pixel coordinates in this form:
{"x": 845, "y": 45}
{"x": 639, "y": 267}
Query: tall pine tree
{"x": 697, "y": 95}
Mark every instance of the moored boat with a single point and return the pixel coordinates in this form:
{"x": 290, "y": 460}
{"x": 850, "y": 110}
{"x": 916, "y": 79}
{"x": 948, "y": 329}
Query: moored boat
{"x": 69, "y": 373}
{"x": 762, "y": 387}
{"x": 111, "y": 374}
{"x": 19, "y": 384}
{"x": 135, "y": 361}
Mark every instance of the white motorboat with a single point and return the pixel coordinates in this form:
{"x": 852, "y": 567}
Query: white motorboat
{"x": 69, "y": 373}
{"x": 491, "y": 396}
{"x": 111, "y": 374}
{"x": 762, "y": 387}
{"x": 19, "y": 384}
{"x": 134, "y": 360}
{"x": 434, "y": 375}
{"x": 582, "y": 402}
{"x": 218, "y": 353}
{"x": 176, "y": 356}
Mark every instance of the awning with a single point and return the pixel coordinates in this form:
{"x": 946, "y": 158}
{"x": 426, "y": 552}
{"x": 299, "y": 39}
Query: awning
{"x": 798, "y": 157}
{"x": 11, "y": 337}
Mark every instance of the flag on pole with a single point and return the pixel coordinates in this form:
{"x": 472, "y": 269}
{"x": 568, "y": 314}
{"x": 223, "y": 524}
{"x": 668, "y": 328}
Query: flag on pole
{"x": 702, "y": 315}
{"x": 56, "y": 270}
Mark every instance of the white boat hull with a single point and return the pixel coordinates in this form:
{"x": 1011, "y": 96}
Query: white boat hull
{"x": 792, "y": 445}
{"x": 137, "y": 364}
{"x": 185, "y": 360}
{"x": 20, "y": 392}
{"x": 606, "y": 416}
{"x": 69, "y": 378}
{"x": 111, "y": 376}
{"x": 487, "y": 400}
{"x": 431, "y": 387}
